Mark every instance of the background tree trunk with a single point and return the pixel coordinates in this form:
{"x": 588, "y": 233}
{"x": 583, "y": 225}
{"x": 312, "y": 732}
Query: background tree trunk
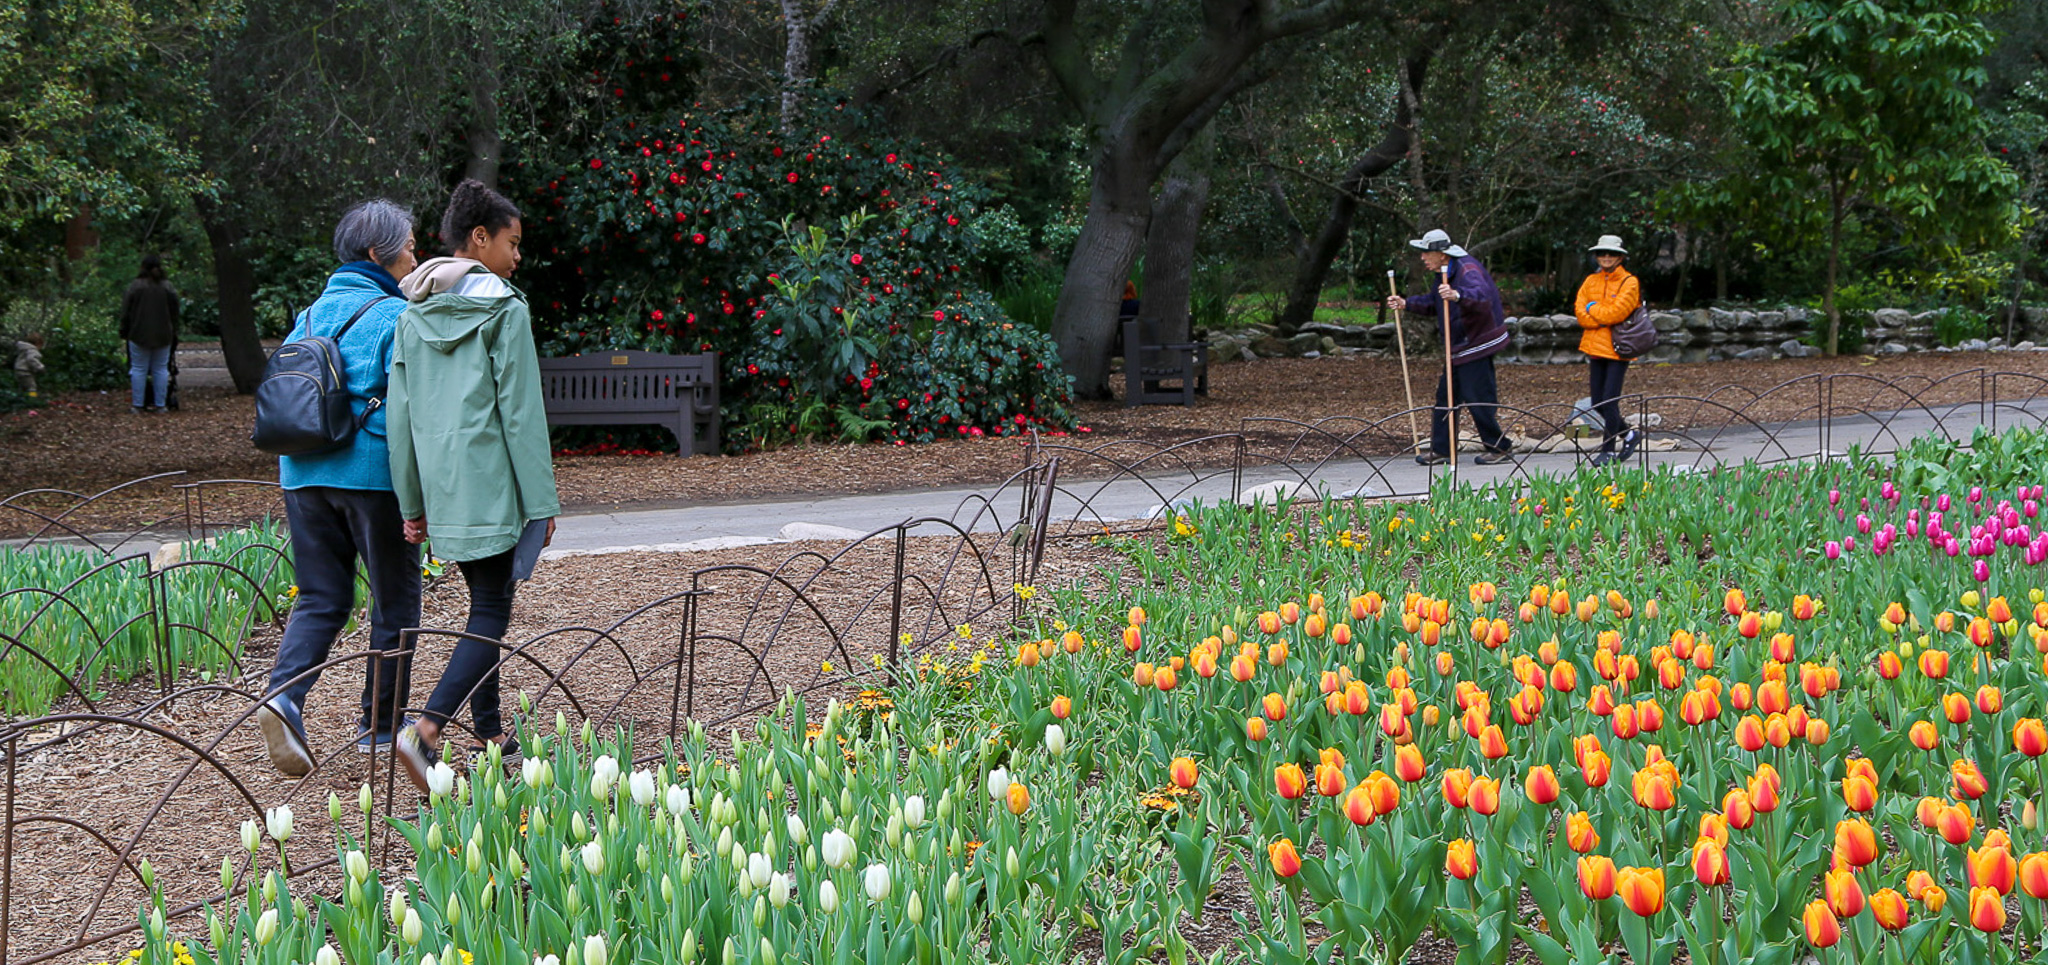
{"x": 1170, "y": 252}
{"x": 234, "y": 280}
{"x": 1827, "y": 294}
{"x": 1312, "y": 267}
{"x": 1084, "y": 318}
{"x": 486, "y": 145}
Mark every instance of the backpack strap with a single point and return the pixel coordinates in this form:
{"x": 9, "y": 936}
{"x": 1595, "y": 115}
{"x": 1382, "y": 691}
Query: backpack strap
{"x": 352, "y": 319}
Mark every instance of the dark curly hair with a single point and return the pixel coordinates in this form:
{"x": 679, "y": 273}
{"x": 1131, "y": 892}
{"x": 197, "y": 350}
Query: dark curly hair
{"x": 473, "y": 206}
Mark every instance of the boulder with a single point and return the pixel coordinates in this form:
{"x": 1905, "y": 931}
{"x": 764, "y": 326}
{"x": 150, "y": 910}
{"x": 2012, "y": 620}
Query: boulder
{"x": 1667, "y": 322}
{"x": 1268, "y": 346}
{"x": 1973, "y": 345}
{"x": 1303, "y": 342}
{"x": 1329, "y": 345}
{"x": 1312, "y": 354}
{"x": 1796, "y": 349}
{"x": 2024, "y": 347}
{"x": 1381, "y": 333}
{"x": 1722, "y": 320}
{"x": 1891, "y": 318}
{"x": 1771, "y": 319}
{"x": 1664, "y": 352}
{"x": 1892, "y": 348}
{"x": 1757, "y": 354}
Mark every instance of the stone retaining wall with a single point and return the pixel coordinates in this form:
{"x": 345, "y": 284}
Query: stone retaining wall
{"x": 1693, "y": 335}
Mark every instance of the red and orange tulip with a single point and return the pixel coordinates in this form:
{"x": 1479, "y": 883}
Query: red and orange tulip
{"x": 1579, "y": 834}
{"x": 1285, "y": 860}
{"x": 1890, "y": 909}
{"x": 1987, "y": 910}
{"x": 1709, "y": 862}
{"x": 1461, "y": 861}
{"x": 1541, "y": 784}
{"x": 1823, "y": 929}
{"x": 1597, "y": 877}
{"x": 1290, "y": 781}
{"x": 2033, "y": 875}
{"x": 1182, "y": 772}
{"x": 1843, "y": 892}
{"x": 1641, "y": 890}
{"x": 1855, "y": 841}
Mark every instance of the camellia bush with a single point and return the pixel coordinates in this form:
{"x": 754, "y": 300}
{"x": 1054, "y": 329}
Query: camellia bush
{"x": 827, "y": 273}
{"x": 1761, "y": 715}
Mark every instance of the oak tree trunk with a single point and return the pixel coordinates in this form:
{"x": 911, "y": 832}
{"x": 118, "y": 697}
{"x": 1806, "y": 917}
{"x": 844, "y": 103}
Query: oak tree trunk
{"x": 1827, "y": 297}
{"x": 1170, "y": 253}
{"x": 234, "y": 280}
{"x": 1084, "y": 318}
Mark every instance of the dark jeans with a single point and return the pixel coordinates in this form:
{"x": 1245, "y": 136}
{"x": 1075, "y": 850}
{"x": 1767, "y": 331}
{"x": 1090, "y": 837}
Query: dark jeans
{"x": 1604, "y": 388}
{"x": 473, "y": 669}
{"x": 331, "y": 529}
{"x": 1478, "y": 395}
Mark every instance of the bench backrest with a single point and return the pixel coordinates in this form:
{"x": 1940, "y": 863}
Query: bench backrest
{"x": 628, "y": 381}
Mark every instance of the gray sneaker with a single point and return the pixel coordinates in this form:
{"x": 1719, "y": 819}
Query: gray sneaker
{"x": 284, "y": 736}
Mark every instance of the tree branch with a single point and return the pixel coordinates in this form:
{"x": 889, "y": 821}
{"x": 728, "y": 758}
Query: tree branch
{"x": 1067, "y": 58}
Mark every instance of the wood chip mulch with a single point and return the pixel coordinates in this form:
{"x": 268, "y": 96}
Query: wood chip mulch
{"x": 88, "y": 441}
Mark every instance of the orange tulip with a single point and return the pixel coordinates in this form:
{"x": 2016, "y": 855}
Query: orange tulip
{"x": 1979, "y": 633}
{"x": 1641, "y": 890}
{"x": 1460, "y": 860}
{"x": 1358, "y": 807}
{"x": 2033, "y": 875}
{"x": 1934, "y": 664}
{"x": 1955, "y": 823}
{"x": 1330, "y": 780}
{"x": 1734, "y": 602}
{"x": 1889, "y": 908}
{"x": 1773, "y": 698}
{"x": 1597, "y": 877}
{"x": 1623, "y": 722}
{"x": 1290, "y": 781}
{"x": 1987, "y": 910}
{"x": 1242, "y": 668}
{"x": 1989, "y": 699}
{"x": 1750, "y": 625}
{"x": 1588, "y": 608}
{"x": 1714, "y": 827}
{"x": 1408, "y": 764}
{"x": 1255, "y": 728}
{"x": 1314, "y": 626}
{"x": 1895, "y": 614}
{"x": 1540, "y": 784}
{"x": 1764, "y": 789}
{"x": 1493, "y": 745}
{"x": 1735, "y": 807}
{"x": 1269, "y": 623}
{"x": 1709, "y": 862}
{"x": 1286, "y": 862}
{"x": 2030, "y": 737}
{"x": 1277, "y": 653}
{"x": 1956, "y": 708}
{"x": 1340, "y": 635}
{"x": 1923, "y": 735}
{"x": 1485, "y": 796}
{"x": 1205, "y": 664}
{"x": 1823, "y": 929}
{"x": 1855, "y": 842}
{"x": 1653, "y": 790}
{"x": 1165, "y": 679}
{"x": 1386, "y": 795}
{"x": 1579, "y": 834}
{"x": 1991, "y": 866}
{"x": 1020, "y": 797}
{"x": 1859, "y": 793}
{"x": 1457, "y": 787}
{"x": 1182, "y": 772}
{"x": 1596, "y": 768}
{"x": 1275, "y": 707}
{"x": 1889, "y": 666}
{"x": 1970, "y": 782}
{"x": 1843, "y": 892}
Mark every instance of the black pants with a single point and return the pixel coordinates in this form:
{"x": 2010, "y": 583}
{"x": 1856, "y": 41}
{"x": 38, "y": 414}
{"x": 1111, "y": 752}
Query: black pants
{"x": 1478, "y": 394}
{"x": 1604, "y": 388}
{"x": 331, "y": 529}
{"x": 473, "y": 669}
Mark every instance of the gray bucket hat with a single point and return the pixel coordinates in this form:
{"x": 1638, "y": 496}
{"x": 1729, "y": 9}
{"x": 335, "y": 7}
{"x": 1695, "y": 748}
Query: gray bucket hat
{"x": 1436, "y": 240}
{"x": 1608, "y": 243}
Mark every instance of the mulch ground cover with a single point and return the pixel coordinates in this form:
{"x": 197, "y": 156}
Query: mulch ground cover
{"x": 86, "y": 442}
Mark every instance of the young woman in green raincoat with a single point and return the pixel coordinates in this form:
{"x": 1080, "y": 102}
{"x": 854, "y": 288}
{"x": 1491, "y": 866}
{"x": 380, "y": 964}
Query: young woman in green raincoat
{"x": 470, "y": 460}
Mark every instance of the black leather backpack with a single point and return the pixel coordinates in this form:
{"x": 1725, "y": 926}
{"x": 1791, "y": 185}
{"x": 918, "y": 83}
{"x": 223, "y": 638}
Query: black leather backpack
{"x": 302, "y": 404}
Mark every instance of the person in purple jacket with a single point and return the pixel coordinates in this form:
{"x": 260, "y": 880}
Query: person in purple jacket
{"x": 1477, "y": 335}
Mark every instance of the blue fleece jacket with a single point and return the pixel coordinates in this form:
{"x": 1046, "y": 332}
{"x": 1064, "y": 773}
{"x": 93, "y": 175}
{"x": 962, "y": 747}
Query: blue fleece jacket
{"x": 365, "y": 463}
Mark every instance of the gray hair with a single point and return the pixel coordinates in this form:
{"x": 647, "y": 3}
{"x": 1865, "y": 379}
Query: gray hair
{"x": 375, "y": 223}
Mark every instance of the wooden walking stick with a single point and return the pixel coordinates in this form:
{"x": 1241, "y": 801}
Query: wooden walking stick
{"x": 1401, "y": 342}
{"x": 1450, "y": 386}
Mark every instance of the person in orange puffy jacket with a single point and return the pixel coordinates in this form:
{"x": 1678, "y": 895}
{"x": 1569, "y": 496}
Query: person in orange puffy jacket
{"x": 1606, "y": 299}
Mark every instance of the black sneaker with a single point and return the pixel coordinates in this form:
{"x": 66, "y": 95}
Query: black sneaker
{"x": 284, "y": 736}
{"x": 1629, "y": 441}
{"x": 416, "y": 758}
{"x": 1493, "y": 457}
{"x": 1431, "y": 459}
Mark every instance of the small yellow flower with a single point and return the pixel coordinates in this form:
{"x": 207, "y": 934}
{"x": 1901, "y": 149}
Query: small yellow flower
{"x": 965, "y": 631}
{"x": 825, "y": 667}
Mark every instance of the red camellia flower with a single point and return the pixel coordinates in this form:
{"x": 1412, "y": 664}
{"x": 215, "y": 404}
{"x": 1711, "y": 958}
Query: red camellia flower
{"x": 697, "y": 239}
{"x": 656, "y": 314}
{"x": 790, "y": 177}
{"x": 855, "y": 259}
{"x": 596, "y": 164}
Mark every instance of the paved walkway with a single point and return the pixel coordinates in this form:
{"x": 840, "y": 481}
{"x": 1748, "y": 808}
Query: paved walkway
{"x": 712, "y": 526}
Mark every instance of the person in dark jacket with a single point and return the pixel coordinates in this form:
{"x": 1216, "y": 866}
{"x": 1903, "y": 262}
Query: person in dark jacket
{"x": 1477, "y": 335}
{"x": 341, "y": 506}
{"x": 149, "y": 324}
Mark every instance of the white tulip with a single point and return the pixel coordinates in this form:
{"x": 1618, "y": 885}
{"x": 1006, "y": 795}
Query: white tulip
{"x": 998, "y": 784}
{"x": 797, "y": 832}
{"x": 828, "y": 897}
{"x": 913, "y": 811}
{"x": 413, "y": 927}
{"x": 593, "y": 857}
{"x": 266, "y": 927}
{"x": 397, "y": 907}
{"x": 644, "y": 788}
{"x": 678, "y": 799}
{"x": 877, "y": 881}
{"x": 1055, "y": 740}
{"x": 529, "y": 771}
{"x": 429, "y": 959}
{"x": 757, "y": 869}
{"x": 358, "y": 867}
{"x": 252, "y": 835}
{"x": 327, "y": 956}
{"x": 594, "y": 952}
{"x": 279, "y": 822}
{"x": 778, "y": 889}
{"x": 440, "y": 779}
{"x": 838, "y": 849}
{"x": 604, "y": 775}
{"x": 547, "y": 960}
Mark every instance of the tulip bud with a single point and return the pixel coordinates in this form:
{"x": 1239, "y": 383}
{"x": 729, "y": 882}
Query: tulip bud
{"x": 828, "y": 897}
{"x": 953, "y": 889}
{"x": 453, "y": 912}
{"x": 364, "y": 800}
{"x": 410, "y": 929}
{"x": 327, "y": 956}
{"x": 1055, "y": 740}
{"x": 397, "y": 907}
{"x": 1010, "y": 864}
{"x": 915, "y": 909}
{"x": 252, "y": 835}
{"x": 593, "y": 857}
{"x": 594, "y": 951}
{"x": 876, "y": 880}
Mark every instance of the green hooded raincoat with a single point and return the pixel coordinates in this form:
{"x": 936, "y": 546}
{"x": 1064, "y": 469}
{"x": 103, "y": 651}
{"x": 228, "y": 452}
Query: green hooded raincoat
{"x": 468, "y": 428}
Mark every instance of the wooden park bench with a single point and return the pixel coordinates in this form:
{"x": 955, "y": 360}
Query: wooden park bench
{"x": 1150, "y": 362}
{"x": 677, "y": 392}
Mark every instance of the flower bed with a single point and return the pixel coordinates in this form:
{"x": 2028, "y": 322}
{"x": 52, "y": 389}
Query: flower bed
{"x": 1718, "y": 715}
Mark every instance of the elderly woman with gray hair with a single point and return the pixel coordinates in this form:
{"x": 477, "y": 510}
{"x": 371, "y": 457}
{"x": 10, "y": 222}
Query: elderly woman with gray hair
{"x": 340, "y": 504}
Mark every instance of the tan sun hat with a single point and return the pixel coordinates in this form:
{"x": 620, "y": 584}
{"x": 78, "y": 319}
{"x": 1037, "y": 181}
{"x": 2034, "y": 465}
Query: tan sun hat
{"x": 1436, "y": 240}
{"x": 1610, "y": 244}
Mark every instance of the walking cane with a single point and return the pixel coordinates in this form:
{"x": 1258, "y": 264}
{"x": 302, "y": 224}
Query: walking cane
{"x": 1450, "y": 390}
{"x": 1401, "y": 342}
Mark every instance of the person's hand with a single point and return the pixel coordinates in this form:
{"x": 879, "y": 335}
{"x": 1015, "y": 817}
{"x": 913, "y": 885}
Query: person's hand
{"x": 550, "y": 538}
{"x": 1445, "y": 291}
{"x": 1396, "y": 302}
{"x": 416, "y": 530}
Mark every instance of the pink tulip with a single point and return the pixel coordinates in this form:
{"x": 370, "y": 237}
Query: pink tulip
{"x": 1982, "y": 571}
{"x": 1976, "y": 493}
{"x": 1951, "y": 547}
{"x": 1849, "y": 544}
{"x": 1912, "y": 528}
{"x": 1834, "y": 496}
{"x": 2032, "y": 509}
{"x": 1941, "y": 502}
{"x": 1863, "y": 524}
{"x": 1833, "y": 550}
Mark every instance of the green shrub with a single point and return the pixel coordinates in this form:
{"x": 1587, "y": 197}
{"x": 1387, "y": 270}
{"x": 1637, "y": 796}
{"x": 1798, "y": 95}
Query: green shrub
{"x": 82, "y": 349}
